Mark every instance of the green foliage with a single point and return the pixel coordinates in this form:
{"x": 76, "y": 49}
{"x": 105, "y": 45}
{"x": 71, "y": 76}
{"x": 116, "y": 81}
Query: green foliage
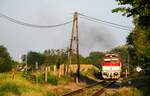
{"x": 92, "y": 72}
{"x": 19, "y": 87}
{"x": 139, "y": 38}
{"x": 35, "y": 78}
{"x": 55, "y": 56}
{"x": 95, "y": 58}
{"x": 52, "y": 79}
{"x": 40, "y": 78}
{"x": 14, "y": 64}
{"x": 140, "y": 53}
{"x": 35, "y": 57}
{"x": 5, "y": 60}
{"x": 29, "y": 76}
{"x": 10, "y": 87}
{"x": 122, "y": 51}
{"x": 135, "y": 7}
{"x": 74, "y": 59}
{"x": 65, "y": 79}
{"x": 139, "y": 9}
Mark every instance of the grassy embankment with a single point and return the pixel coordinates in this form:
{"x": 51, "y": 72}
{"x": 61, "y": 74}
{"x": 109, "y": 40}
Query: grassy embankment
{"x": 33, "y": 84}
{"x": 19, "y": 86}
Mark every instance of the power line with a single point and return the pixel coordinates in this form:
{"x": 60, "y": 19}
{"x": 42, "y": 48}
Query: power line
{"x": 106, "y": 24}
{"x": 32, "y": 25}
{"x": 57, "y": 25}
{"x": 110, "y": 23}
{"x": 104, "y": 21}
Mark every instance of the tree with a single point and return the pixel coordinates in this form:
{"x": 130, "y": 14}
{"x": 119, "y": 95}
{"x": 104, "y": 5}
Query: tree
{"x": 54, "y": 56}
{"x": 35, "y": 57}
{"x": 135, "y": 7}
{"x": 139, "y": 9}
{"x": 5, "y": 60}
{"x": 94, "y": 58}
{"x": 139, "y": 38}
{"x": 122, "y": 51}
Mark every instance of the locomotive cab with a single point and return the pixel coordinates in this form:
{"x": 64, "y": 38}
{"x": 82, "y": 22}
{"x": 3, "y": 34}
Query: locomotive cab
{"x": 111, "y": 66}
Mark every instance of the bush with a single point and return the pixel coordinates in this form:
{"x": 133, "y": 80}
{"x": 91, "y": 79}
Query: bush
{"x": 52, "y": 79}
{"x": 39, "y": 78}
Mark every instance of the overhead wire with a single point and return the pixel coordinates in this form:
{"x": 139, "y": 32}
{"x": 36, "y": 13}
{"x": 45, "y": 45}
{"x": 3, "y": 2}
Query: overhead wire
{"x": 65, "y": 23}
{"x": 106, "y": 22}
{"x": 32, "y": 25}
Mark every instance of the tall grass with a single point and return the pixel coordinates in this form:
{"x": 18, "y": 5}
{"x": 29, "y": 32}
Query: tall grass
{"x": 39, "y": 78}
{"x": 19, "y": 87}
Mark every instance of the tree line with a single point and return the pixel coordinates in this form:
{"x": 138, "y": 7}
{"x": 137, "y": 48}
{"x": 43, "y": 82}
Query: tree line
{"x": 56, "y": 57}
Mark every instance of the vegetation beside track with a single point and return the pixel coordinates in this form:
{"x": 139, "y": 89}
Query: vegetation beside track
{"x": 25, "y": 85}
{"x": 141, "y": 82}
{"x": 19, "y": 86}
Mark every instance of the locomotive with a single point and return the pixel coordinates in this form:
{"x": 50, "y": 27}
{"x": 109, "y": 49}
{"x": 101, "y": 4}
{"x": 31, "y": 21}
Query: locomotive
{"x": 111, "y": 66}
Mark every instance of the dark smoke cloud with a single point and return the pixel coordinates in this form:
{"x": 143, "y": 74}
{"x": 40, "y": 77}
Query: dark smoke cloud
{"x": 95, "y": 38}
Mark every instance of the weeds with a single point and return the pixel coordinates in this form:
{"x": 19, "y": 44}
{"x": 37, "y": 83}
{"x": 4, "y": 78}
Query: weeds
{"x": 20, "y": 87}
{"x": 52, "y": 79}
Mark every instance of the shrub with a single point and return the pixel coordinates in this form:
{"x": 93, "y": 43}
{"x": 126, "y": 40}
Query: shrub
{"x": 52, "y": 79}
{"x": 39, "y": 78}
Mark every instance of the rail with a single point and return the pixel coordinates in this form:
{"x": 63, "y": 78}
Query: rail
{"x": 102, "y": 90}
{"x": 82, "y": 89}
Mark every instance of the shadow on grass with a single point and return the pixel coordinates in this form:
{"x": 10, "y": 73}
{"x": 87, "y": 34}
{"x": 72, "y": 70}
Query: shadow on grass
{"x": 143, "y": 84}
{"x": 84, "y": 79}
{"x": 87, "y": 80}
{"x": 140, "y": 82}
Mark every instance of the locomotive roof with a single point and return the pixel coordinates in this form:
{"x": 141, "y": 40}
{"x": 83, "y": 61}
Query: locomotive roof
{"x": 111, "y": 55}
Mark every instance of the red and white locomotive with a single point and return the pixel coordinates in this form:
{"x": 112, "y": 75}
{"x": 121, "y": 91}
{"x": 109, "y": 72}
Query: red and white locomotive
{"x": 111, "y": 66}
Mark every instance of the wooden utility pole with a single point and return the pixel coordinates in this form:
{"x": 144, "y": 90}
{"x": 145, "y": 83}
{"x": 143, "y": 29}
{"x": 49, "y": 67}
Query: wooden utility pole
{"x": 74, "y": 38}
{"x": 71, "y": 42}
{"x": 77, "y": 48}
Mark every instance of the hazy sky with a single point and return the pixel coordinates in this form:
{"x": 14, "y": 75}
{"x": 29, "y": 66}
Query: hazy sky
{"x": 93, "y": 36}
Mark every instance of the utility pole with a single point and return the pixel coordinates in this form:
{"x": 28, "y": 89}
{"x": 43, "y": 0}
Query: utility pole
{"x": 74, "y": 38}
{"x": 71, "y": 42}
{"x": 77, "y": 48}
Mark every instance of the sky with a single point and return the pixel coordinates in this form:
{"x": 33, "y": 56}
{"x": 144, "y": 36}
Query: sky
{"x": 94, "y": 36}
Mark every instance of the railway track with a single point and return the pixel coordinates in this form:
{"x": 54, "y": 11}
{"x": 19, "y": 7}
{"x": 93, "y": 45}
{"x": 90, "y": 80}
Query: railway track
{"x": 91, "y": 90}
{"x": 102, "y": 90}
{"x": 74, "y": 93}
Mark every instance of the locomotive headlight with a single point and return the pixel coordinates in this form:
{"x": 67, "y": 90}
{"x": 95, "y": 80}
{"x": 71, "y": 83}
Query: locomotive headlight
{"x": 115, "y": 74}
{"x": 105, "y": 74}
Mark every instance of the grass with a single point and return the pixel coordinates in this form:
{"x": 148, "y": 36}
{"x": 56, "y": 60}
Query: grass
{"x": 19, "y": 86}
{"x": 65, "y": 80}
{"x": 91, "y": 73}
{"x": 52, "y": 79}
{"x": 125, "y": 91}
{"x": 31, "y": 84}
